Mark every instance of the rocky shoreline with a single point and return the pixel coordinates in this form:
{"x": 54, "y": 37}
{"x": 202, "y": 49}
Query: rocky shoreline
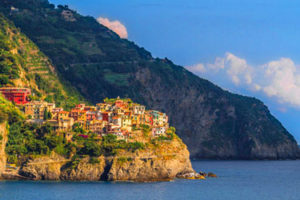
{"x": 166, "y": 163}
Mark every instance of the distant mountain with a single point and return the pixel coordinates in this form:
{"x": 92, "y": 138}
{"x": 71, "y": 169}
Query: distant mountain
{"x": 212, "y": 122}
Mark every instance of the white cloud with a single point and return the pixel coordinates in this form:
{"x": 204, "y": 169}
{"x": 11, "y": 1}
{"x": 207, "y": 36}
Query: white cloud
{"x": 115, "y": 26}
{"x": 237, "y": 69}
{"x": 218, "y": 65}
{"x": 197, "y": 68}
{"x": 282, "y": 81}
{"x": 278, "y": 79}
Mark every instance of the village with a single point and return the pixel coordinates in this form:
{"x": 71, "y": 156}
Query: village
{"x": 118, "y": 116}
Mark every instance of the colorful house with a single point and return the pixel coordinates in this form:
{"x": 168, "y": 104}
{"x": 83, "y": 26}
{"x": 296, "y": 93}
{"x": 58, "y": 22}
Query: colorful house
{"x": 147, "y": 119}
{"x": 126, "y": 123}
{"x": 138, "y": 109}
{"x": 19, "y": 96}
{"x": 55, "y": 112}
{"x": 106, "y": 116}
{"x": 158, "y": 131}
{"x": 65, "y": 124}
{"x": 80, "y": 106}
{"x": 119, "y": 103}
{"x": 159, "y": 119}
{"x": 90, "y": 115}
{"x": 117, "y": 120}
{"x": 135, "y": 120}
{"x": 78, "y": 115}
{"x": 96, "y": 126}
{"x": 63, "y": 115}
{"x": 89, "y": 108}
{"x": 36, "y": 109}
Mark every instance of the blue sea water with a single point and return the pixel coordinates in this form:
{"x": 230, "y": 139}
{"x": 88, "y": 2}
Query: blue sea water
{"x": 238, "y": 180}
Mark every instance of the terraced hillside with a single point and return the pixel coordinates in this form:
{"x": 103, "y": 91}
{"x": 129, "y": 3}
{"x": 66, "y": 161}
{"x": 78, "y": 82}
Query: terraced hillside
{"x": 22, "y": 64}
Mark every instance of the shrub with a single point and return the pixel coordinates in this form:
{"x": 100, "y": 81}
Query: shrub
{"x": 146, "y": 129}
{"x": 94, "y": 160}
{"x": 74, "y": 161}
{"x": 90, "y": 148}
{"x": 135, "y": 146}
{"x": 122, "y": 160}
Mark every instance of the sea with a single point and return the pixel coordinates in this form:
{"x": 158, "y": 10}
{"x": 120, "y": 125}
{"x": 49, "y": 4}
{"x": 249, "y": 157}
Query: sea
{"x": 237, "y": 180}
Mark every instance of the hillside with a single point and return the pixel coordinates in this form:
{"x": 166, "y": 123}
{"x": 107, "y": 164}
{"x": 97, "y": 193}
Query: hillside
{"x": 22, "y": 64}
{"x": 9, "y": 114}
{"x": 212, "y": 122}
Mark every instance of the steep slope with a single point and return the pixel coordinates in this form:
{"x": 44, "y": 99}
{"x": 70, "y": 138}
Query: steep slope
{"x": 8, "y": 114}
{"x": 22, "y": 64}
{"x": 212, "y": 122}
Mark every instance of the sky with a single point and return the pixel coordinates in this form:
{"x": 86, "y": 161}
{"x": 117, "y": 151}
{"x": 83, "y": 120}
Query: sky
{"x": 249, "y": 47}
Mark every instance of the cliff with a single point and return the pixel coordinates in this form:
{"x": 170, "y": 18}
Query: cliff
{"x": 166, "y": 162}
{"x": 3, "y": 140}
{"x": 212, "y": 122}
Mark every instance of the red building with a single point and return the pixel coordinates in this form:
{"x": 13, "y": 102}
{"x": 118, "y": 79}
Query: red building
{"x": 16, "y": 95}
{"x": 105, "y": 116}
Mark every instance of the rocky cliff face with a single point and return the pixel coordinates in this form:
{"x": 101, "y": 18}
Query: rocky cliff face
{"x": 163, "y": 163}
{"x": 3, "y": 133}
{"x": 217, "y": 124}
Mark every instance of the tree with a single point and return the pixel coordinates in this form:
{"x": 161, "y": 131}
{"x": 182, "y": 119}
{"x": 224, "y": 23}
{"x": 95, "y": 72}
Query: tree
{"x": 90, "y": 148}
{"x": 47, "y": 115}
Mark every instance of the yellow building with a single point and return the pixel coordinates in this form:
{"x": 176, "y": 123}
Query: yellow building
{"x": 126, "y": 123}
{"x": 63, "y": 115}
{"x": 65, "y": 124}
{"x": 96, "y": 126}
{"x": 135, "y": 120}
{"x": 36, "y": 109}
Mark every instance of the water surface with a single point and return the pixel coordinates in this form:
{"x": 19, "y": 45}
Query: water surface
{"x": 238, "y": 180}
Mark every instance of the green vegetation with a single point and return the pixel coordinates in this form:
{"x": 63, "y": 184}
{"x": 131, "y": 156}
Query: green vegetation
{"x": 8, "y": 112}
{"x": 146, "y": 129}
{"x": 113, "y": 100}
{"x": 123, "y": 160}
{"x": 21, "y": 60}
{"x": 25, "y": 140}
{"x": 170, "y": 134}
{"x": 94, "y": 160}
{"x": 47, "y": 115}
{"x": 110, "y": 145}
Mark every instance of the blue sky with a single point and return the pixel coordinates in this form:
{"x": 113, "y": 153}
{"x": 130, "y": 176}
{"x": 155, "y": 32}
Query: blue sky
{"x": 256, "y": 42}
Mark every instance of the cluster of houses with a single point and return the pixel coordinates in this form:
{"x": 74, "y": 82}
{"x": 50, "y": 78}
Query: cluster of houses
{"x": 114, "y": 116}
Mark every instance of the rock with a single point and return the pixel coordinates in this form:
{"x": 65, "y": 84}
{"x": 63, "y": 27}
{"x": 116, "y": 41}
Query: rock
{"x": 203, "y": 174}
{"x": 166, "y": 162}
{"x": 84, "y": 171}
{"x": 211, "y": 175}
{"x": 43, "y": 168}
{"x": 190, "y": 175}
{"x": 3, "y": 133}
{"x": 152, "y": 165}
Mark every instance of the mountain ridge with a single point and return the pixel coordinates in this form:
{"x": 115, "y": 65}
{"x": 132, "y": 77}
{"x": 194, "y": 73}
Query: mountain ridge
{"x": 212, "y": 122}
